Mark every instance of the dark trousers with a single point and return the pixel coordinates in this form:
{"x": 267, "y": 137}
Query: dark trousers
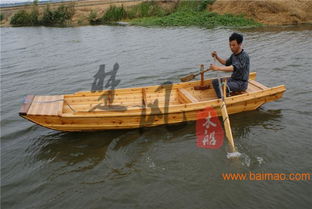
{"x": 232, "y": 86}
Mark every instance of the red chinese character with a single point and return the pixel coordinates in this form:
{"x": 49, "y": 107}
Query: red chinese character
{"x": 209, "y": 130}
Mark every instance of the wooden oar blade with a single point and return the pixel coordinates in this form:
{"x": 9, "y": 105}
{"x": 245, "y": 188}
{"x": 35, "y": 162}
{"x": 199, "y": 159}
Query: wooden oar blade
{"x": 188, "y": 78}
{"x": 227, "y": 125}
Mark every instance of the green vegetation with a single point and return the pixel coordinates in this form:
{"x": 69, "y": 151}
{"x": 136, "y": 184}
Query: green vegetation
{"x": 184, "y": 13}
{"x": 196, "y": 5}
{"x": 151, "y": 13}
{"x": 49, "y": 17}
{"x": 34, "y": 16}
{"x": 114, "y": 14}
{"x": 21, "y": 18}
{"x": 191, "y": 18}
{"x": 203, "y": 4}
{"x": 92, "y": 18}
{"x": 147, "y": 9}
{"x": 58, "y": 16}
{"x": 195, "y": 13}
{"x": 1, "y": 17}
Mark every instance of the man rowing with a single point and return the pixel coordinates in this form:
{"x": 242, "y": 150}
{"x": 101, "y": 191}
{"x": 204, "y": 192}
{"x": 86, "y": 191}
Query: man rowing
{"x": 238, "y": 63}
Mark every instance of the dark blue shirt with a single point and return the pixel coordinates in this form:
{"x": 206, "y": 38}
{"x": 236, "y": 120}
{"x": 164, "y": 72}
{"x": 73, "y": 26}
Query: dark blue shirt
{"x": 241, "y": 64}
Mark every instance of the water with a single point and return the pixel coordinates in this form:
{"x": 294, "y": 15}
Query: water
{"x": 158, "y": 167}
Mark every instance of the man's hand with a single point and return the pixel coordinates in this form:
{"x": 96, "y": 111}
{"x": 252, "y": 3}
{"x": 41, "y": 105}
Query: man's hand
{"x": 214, "y": 67}
{"x": 214, "y": 54}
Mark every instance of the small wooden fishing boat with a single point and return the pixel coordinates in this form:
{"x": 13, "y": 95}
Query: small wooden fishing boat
{"x": 139, "y": 107}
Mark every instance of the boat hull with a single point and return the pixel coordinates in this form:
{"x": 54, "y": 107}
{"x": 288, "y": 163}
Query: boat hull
{"x": 145, "y": 116}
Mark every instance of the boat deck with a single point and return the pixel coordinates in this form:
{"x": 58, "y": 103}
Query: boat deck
{"x": 46, "y": 105}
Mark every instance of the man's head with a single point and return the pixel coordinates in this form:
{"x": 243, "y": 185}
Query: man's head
{"x": 236, "y": 41}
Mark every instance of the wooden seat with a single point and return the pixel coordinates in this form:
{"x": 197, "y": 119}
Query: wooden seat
{"x": 186, "y": 97}
{"x": 46, "y": 105}
{"x": 253, "y": 86}
{"x": 257, "y": 84}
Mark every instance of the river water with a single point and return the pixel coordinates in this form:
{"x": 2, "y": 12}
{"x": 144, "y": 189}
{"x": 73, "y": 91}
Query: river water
{"x": 157, "y": 167}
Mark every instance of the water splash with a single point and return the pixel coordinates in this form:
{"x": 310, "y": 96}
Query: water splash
{"x": 150, "y": 162}
{"x": 260, "y": 160}
{"x": 233, "y": 155}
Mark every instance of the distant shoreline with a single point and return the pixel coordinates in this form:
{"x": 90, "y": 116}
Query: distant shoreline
{"x": 25, "y": 3}
{"x": 82, "y": 9}
{"x": 282, "y": 13}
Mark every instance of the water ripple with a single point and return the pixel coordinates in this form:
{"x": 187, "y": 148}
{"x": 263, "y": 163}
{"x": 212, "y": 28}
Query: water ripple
{"x": 44, "y": 167}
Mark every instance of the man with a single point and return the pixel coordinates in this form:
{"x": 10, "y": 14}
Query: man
{"x": 238, "y": 63}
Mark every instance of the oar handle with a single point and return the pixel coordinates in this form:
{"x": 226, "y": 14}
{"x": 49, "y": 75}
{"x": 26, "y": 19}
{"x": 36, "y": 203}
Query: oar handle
{"x": 202, "y": 72}
{"x": 193, "y": 75}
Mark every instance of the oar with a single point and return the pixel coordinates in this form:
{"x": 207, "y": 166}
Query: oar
{"x": 192, "y": 76}
{"x": 226, "y": 122}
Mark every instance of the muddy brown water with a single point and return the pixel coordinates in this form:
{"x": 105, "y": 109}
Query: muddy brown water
{"x": 157, "y": 167}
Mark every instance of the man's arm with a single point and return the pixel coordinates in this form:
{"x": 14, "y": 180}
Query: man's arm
{"x": 214, "y": 54}
{"x": 222, "y": 68}
{"x": 222, "y": 61}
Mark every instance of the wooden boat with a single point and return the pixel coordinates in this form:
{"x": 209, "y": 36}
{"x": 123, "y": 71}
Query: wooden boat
{"x": 139, "y": 107}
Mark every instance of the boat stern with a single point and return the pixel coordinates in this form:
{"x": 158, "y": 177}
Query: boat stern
{"x": 26, "y": 105}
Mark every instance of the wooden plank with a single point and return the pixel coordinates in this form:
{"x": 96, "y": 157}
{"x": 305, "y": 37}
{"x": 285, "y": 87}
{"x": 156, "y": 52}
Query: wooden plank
{"x": 187, "y": 96}
{"x": 135, "y": 97}
{"x": 52, "y": 107}
{"x": 252, "y": 88}
{"x": 205, "y": 95}
{"x": 46, "y": 105}
{"x": 183, "y": 99}
{"x": 34, "y": 106}
{"x": 85, "y": 106}
{"x": 252, "y": 76}
{"x": 26, "y": 104}
{"x": 144, "y": 101}
{"x": 259, "y": 85}
{"x": 60, "y": 106}
{"x": 31, "y": 108}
